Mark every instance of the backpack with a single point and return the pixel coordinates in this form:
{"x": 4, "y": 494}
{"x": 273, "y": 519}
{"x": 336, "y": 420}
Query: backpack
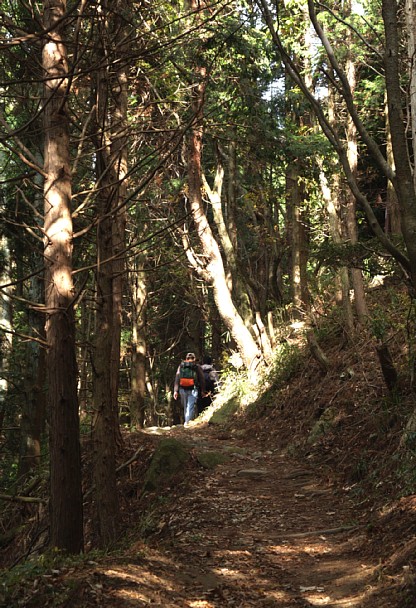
{"x": 210, "y": 380}
{"x": 187, "y": 374}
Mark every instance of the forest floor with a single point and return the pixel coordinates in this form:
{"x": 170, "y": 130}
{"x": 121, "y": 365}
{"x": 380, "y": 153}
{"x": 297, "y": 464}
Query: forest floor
{"x": 260, "y": 528}
{"x": 305, "y": 497}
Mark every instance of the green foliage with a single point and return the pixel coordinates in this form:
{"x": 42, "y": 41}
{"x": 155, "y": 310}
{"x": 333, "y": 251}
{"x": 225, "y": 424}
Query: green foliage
{"x": 379, "y": 324}
{"x": 224, "y": 413}
{"x": 253, "y": 393}
{"x": 325, "y": 424}
{"x": 235, "y": 384}
{"x": 21, "y": 585}
{"x": 286, "y": 363}
{"x": 406, "y": 470}
{"x": 367, "y": 256}
{"x": 306, "y": 146}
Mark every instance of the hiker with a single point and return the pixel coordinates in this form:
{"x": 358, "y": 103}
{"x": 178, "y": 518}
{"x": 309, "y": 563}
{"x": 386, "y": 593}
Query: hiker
{"x": 211, "y": 384}
{"x": 189, "y": 380}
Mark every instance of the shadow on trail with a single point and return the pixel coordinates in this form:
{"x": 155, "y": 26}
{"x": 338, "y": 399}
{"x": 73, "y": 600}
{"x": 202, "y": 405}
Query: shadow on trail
{"x": 257, "y": 530}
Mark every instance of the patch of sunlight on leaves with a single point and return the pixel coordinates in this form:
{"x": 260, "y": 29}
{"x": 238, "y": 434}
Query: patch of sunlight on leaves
{"x": 240, "y": 389}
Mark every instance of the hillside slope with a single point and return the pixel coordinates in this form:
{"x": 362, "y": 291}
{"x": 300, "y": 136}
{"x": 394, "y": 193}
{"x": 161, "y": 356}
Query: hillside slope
{"x": 304, "y": 496}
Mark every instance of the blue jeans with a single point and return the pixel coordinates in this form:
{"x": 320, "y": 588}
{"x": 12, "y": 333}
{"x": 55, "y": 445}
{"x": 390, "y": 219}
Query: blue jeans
{"x": 188, "y": 400}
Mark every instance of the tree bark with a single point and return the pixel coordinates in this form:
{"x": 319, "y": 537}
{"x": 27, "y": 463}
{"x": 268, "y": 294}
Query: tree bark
{"x": 66, "y": 514}
{"x": 387, "y": 366}
{"x": 33, "y": 418}
{"x": 232, "y": 190}
{"x": 352, "y": 155}
{"x": 138, "y": 346}
{"x": 295, "y": 228}
{"x": 6, "y": 323}
{"x": 403, "y": 183}
{"x": 119, "y": 159}
{"x": 410, "y": 11}
{"x": 342, "y": 293}
{"x": 105, "y": 419}
{"x": 393, "y": 223}
{"x": 295, "y": 214}
{"x": 236, "y": 284}
{"x": 32, "y": 424}
{"x": 213, "y": 270}
{"x": 214, "y": 265}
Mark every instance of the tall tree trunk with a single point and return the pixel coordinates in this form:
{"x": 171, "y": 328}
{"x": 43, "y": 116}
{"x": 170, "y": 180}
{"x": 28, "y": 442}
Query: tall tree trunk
{"x": 6, "y": 321}
{"x": 214, "y": 270}
{"x": 33, "y": 417}
{"x": 231, "y": 200}
{"x": 403, "y": 183}
{"x": 32, "y": 424}
{"x": 119, "y": 159}
{"x": 104, "y": 433}
{"x": 66, "y": 513}
{"x": 342, "y": 297}
{"x": 138, "y": 289}
{"x": 296, "y": 229}
{"x": 295, "y": 216}
{"x": 104, "y": 419}
{"x": 237, "y": 286}
{"x": 214, "y": 266}
{"x": 352, "y": 154}
{"x": 332, "y": 199}
{"x": 392, "y": 223}
{"x": 87, "y": 319}
{"x": 410, "y": 10}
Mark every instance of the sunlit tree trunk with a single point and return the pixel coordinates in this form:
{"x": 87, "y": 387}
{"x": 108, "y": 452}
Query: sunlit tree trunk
{"x": 392, "y": 224}
{"x": 295, "y": 214}
{"x": 352, "y": 155}
{"x": 410, "y": 10}
{"x": 292, "y": 203}
{"x": 238, "y": 287}
{"x": 213, "y": 270}
{"x": 297, "y": 241}
{"x": 66, "y": 512}
{"x": 342, "y": 288}
{"x": 6, "y": 324}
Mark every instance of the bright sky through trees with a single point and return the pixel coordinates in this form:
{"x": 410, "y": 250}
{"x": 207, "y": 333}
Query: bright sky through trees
{"x": 357, "y": 8}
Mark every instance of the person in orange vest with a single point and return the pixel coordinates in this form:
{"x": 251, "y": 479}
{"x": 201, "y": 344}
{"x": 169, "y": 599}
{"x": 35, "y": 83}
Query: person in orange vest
{"x": 189, "y": 382}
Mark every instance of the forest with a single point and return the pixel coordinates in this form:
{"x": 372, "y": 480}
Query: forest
{"x": 228, "y": 178}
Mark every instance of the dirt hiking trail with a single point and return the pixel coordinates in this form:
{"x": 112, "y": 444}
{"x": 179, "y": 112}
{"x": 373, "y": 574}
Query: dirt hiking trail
{"x": 258, "y": 529}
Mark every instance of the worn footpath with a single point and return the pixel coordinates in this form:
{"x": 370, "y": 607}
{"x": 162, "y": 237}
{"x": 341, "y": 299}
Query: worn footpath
{"x": 258, "y": 529}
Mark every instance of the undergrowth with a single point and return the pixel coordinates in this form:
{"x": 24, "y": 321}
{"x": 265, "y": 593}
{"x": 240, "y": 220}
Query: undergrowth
{"x": 346, "y": 419}
{"x": 38, "y": 576}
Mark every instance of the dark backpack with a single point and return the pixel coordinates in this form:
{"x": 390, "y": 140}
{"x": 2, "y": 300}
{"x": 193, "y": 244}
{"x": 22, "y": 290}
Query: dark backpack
{"x": 187, "y": 374}
{"x": 210, "y": 384}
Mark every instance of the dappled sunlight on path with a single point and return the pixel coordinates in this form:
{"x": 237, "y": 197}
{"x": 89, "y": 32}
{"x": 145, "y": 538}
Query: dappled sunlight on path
{"x": 256, "y": 530}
